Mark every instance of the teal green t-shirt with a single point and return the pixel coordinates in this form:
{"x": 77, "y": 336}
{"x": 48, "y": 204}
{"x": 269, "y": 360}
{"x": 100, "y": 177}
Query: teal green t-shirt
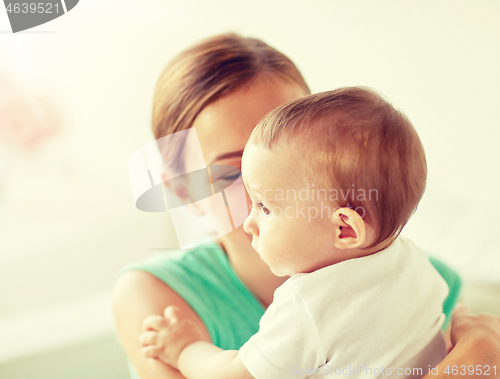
{"x": 204, "y": 278}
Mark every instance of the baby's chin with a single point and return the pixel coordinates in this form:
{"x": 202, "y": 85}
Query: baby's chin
{"x": 255, "y": 244}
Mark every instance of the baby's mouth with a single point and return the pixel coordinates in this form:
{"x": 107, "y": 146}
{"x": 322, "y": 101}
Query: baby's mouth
{"x": 255, "y": 244}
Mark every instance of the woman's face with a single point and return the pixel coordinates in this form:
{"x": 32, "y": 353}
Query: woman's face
{"x": 223, "y": 127}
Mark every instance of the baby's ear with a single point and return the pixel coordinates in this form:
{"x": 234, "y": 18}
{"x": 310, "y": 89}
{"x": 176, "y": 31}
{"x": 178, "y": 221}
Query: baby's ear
{"x": 349, "y": 228}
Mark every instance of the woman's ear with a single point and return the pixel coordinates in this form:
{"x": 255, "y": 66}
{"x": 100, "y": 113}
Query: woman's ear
{"x": 349, "y": 228}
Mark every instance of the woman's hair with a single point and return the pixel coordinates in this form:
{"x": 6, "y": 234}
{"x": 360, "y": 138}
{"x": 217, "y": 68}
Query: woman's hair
{"x": 209, "y": 70}
{"x": 365, "y": 148}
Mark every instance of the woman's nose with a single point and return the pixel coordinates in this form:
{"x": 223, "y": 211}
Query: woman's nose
{"x": 250, "y": 226}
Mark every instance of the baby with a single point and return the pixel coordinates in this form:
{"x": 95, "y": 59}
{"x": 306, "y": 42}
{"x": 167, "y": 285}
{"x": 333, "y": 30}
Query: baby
{"x": 333, "y": 178}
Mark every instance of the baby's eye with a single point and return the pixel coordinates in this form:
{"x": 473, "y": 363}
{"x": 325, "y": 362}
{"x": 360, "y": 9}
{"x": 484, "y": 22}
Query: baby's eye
{"x": 266, "y": 211}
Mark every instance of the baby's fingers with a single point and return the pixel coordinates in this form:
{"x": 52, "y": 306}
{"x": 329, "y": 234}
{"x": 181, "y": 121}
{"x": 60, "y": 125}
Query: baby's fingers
{"x": 151, "y": 351}
{"x": 154, "y": 322}
{"x": 148, "y": 338}
{"x": 173, "y": 313}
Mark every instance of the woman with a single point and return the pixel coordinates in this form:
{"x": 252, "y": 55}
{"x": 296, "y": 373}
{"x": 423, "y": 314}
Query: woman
{"x": 222, "y": 87}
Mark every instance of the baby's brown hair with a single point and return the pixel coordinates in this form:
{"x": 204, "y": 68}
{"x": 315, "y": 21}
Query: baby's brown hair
{"x": 356, "y": 139}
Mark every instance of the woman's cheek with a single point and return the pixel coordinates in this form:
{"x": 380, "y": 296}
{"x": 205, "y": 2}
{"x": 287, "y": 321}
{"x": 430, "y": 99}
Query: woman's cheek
{"x": 238, "y": 202}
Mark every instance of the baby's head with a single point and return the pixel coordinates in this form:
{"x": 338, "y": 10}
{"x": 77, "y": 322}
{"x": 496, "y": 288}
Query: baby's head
{"x": 354, "y": 164}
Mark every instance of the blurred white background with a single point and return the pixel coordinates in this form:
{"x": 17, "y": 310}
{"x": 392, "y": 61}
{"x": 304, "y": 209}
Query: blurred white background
{"x": 67, "y": 217}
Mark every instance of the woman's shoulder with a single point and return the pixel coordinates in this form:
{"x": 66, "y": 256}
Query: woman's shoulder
{"x": 138, "y": 294}
{"x": 200, "y": 278}
{"x": 200, "y": 260}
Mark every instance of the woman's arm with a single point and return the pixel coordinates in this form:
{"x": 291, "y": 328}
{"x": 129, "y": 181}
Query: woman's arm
{"x": 476, "y": 341}
{"x": 138, "y": 294}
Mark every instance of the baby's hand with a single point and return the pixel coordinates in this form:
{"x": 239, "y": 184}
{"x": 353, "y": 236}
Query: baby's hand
{"x": 165, "y": 337}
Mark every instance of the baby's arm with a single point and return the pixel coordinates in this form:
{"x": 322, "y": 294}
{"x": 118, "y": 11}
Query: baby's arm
{"x": 179, "y": 342}
{"x": 204, "y": 360}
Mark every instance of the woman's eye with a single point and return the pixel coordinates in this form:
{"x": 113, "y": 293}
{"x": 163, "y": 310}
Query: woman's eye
{"x": 230, "y": 178}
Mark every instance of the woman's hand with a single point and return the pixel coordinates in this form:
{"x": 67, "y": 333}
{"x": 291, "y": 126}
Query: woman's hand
{"x": 481, "y": 334}
{"x": 165, "y": 337}
{"x": 484, "y": 326}
{"x": 476, "y": 345}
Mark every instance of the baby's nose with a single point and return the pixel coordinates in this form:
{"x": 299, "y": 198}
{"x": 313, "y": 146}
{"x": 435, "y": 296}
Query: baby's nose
{"x": 250, "y": 226}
